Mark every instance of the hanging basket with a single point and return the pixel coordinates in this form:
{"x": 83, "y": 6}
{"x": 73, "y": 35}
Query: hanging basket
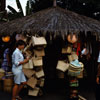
{"x": 34, "y": 92}
{"x": 38, "y": 41}
{"x": 72, "y": 38}
{"x": 2, "y": 73}
{"x": 6, "y": 38}
{"x": 8, "y": 85}
{"x": 62, "y": 66}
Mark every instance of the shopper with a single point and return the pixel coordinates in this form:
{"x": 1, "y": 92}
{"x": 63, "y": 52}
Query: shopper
{"x": 98, "y": 78}
{"x": 17, "y": 62}
{"x": 6, "y": 60}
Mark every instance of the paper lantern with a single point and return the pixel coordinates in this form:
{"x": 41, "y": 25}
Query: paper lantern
{"x": 72, "y": 38}
{"x": 6, "y": 38}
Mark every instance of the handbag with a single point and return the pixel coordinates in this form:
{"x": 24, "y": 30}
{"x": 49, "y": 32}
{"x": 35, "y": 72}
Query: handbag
{"x": 28, "y": 72}
{"x": 40, "y": 74}
{"x": 28, "y": 65}
{"x": 37, "y": 61}
{"x": 66, "y": 50}
{"x": 34, "y": 92}
{"x": 36, "y": 41}
{"x": 62, "y": 66}
{"x": 32, "y": 82}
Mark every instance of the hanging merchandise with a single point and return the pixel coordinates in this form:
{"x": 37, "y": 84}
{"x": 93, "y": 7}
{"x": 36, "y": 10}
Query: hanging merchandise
{"x": 20, "y": 37}
{"x": 34, "y": 92}
{"x": 80, "y": 76}
{"x": 74, "y": 94}
{"x": 67, "y": 50}
{"x": 27, "y": 51}
{"x": 62, "y": 66}
{"x": 28, "y": 72}
{"x": 40, "y": 74}
{"x": 72, "y": 57}
{"x": 7, "y": 85}
{"x": 72, "y": 38}
{"x": 77, "y": 46}
{"x": 37, "y": 61}
{"x": 6, "y": 38}
{"x": 2, "y": 73}
{"x": 73, "y": 73}
{"x": 28, "y": 65}
{"x": 75, "y": 68}
{"x": 33, "y": 69}
{"x": 38, "y": 41}
{"x": 32, "y": 82}
{"x": 76, "y": 63}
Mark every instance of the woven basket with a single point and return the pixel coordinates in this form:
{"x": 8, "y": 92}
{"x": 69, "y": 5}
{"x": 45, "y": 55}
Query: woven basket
{"x": 32, "y": 82}
{"x": 2, "y": 73}
{"x": 73, "y": 73}
{"x": 62, "y": 66}
{"x": 34, "y": 92}
{"x": 37, "y": 61}
{"x": 38, "y": 41}
{"x": 28, "y": 65}
{"x": 80, "y": 75}
{"x": 66, "y": 50}
{"x": 7, "y": 85}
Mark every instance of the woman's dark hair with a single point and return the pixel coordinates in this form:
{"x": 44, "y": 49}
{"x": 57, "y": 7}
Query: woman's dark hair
{"x": 20, "y": 42}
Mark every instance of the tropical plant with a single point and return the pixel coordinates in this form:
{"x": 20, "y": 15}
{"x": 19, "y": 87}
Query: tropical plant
{"x": 13, "y": 14}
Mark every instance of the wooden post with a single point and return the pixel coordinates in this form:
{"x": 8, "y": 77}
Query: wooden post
{"x": 2, "y": 5}
{"x": 54, "y": 3}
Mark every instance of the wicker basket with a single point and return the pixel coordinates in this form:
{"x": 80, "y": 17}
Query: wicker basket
{"x": 7, "y": 85}
{"x": 2, "y": 73}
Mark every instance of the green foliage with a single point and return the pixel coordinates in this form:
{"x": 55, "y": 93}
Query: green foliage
{"x": 12, "y": 10}
{"x": 19, "y": 7}
{"x": 28, "y": 9}
{"x": 13, "y": 14}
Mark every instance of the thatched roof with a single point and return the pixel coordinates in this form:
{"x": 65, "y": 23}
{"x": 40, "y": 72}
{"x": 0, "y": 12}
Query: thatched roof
{"x": 53, "y": 20}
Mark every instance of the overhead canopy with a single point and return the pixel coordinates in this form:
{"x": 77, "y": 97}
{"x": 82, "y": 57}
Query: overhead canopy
{"x": 55, "y": 21}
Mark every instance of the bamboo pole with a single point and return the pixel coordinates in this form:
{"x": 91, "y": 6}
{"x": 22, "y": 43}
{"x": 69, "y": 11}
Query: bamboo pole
{"x": 54, "y": 3}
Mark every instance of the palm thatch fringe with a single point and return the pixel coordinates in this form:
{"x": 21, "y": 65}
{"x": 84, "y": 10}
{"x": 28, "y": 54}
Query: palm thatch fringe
{"x": 55, "y": 20}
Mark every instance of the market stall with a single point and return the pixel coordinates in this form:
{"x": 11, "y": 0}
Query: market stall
{"x": 62, "y": 29}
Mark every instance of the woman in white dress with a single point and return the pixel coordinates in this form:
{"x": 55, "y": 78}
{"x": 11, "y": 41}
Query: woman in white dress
{"x": 17, "y": 62}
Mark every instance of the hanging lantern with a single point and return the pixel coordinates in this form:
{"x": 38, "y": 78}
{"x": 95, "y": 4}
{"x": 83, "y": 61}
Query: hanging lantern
{"x": 72, "y": 38}
{"x": 6, "y": 38}
{"x": 20, "y": 37}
